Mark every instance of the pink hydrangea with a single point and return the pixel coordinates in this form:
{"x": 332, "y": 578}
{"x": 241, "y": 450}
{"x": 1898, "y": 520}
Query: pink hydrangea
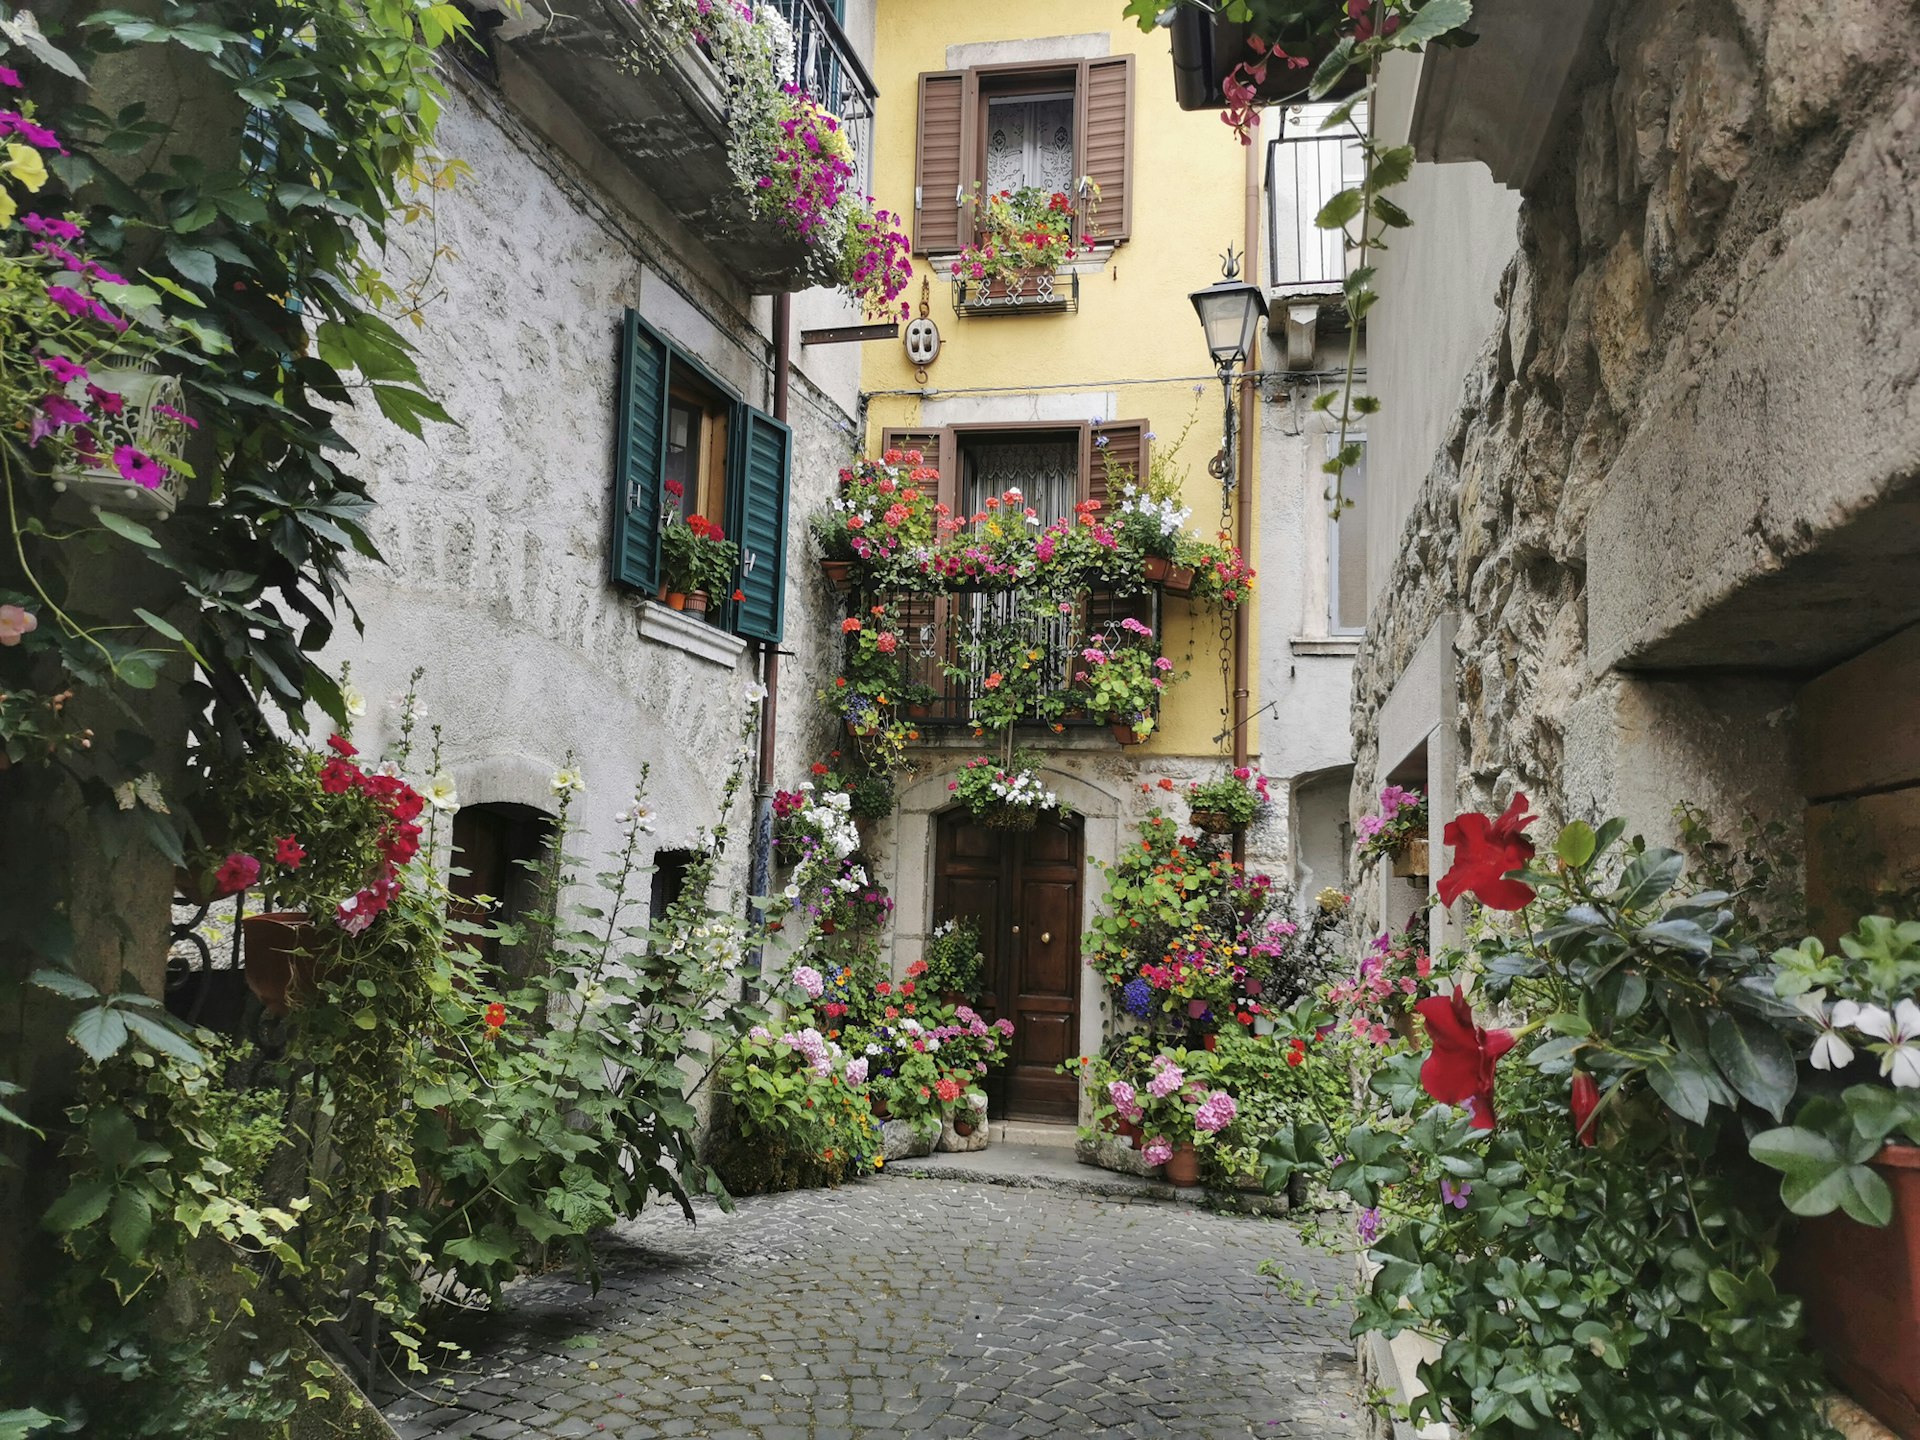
{"x": 1168, "y": 1079}
{"x": 1125, "y": 1101}
{"x": 857, "y": 1071}
{"x": 1158, "y": 1151}
{"x": 1216, "y": 1112}
{"x": 808, "y": 979}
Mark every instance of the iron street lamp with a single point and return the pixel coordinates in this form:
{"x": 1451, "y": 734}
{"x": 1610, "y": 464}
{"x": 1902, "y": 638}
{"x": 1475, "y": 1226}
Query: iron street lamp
{"x": 1230, "y": 311}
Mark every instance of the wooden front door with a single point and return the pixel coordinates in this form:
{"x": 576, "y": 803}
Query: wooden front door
{"x": 1022, "y": 889}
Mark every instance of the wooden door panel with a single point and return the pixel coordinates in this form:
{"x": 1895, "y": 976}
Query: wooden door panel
{"x": 1048, "y": 968}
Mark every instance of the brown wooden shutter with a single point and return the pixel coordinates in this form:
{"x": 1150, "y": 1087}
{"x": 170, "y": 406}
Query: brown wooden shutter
{"x": 923, "y": 618}
{"x": 1126, "y": 446}
{"x": 938, "y": 170}
{"x": 1106, "y": 143}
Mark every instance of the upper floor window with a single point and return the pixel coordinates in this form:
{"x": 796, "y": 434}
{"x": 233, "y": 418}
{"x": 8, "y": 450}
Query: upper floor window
{"x": 686, "y": 445}
{"x": 1348, "y": 587}
{"x": 1003, "y": 127}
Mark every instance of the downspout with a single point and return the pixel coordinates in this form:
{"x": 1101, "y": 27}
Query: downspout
{"x": 760, "y": 870}
{"x": 1243, "y": 517}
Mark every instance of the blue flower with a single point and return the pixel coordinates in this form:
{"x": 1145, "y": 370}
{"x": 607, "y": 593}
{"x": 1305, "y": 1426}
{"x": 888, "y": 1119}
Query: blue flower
{"x": 1137, "y": 998}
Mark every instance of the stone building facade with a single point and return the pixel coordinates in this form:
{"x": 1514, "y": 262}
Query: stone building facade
{"x": 1676, "y": 489}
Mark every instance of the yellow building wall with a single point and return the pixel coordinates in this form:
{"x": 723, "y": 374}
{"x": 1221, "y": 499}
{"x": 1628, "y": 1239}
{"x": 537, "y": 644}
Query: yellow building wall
{"x": 1135, "y": 332}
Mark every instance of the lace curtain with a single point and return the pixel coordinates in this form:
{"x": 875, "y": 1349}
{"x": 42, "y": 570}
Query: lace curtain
{"x": 1030, "y": 142}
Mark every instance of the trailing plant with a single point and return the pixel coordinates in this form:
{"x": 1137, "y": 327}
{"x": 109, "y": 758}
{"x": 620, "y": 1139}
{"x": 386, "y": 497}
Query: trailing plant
{"x": 1006, "y": 793}
{"x": 1237, "y": 796}
{"x": 1402, "y": 816}
{"x": 953, "y": 961}
{"x": 1027, "y": 229}
{"x": 1120, "y": 680}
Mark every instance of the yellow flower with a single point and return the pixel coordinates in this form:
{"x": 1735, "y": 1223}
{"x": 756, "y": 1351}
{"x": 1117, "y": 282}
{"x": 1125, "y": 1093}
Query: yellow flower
{"x": 6, "y": 210}
{"x": 23, "y": 162}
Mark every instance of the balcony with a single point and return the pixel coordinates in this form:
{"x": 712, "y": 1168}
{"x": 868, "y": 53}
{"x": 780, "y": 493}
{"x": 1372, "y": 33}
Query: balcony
{"x": 1037, "y": 292}
{"x": 939, "y": 629}
{"x": 1307, "y": 266}
{"x": 670, "y": 126}
{"x": 1207, "y": 46}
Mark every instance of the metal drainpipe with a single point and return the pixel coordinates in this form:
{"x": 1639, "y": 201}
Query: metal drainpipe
{"x": 1249, "y": 437}
{"x": 761, "y": 865}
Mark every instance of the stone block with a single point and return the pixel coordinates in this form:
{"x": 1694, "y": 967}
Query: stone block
{"x": 900, "y": 1140}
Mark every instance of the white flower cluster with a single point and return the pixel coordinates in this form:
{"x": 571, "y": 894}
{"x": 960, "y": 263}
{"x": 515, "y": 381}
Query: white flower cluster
{"x": 1164, "y": 513}
{"x": 831, "y": 818}
{"x": 854, "y": 879}
{"x": 1024, "y": 788}
{"x": 1894, "y": 1035}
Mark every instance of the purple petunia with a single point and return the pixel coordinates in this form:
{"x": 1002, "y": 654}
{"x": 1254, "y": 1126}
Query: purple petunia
{"x": 139, "y": 467}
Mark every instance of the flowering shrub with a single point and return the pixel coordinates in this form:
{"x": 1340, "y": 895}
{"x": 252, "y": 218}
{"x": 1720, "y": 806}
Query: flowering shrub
{"x": 799, "y": 1112}
{"x": 1237, "y": 796}
{"x": 1009, "y": 795}
{"x": 1022, "y": 230}
{"x": 1402, "y": 816}
{"x": 926, "y": 1064}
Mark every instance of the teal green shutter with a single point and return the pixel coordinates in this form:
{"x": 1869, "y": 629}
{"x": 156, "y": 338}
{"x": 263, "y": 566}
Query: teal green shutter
{"x": 641, "y": 455}
{"x": 758, "y": 520}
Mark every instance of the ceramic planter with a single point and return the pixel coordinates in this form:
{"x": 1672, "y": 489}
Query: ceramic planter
{"x": 1411, "y": 861}
{"x": 878, "y": 1104}
{"x": 839, "y": 574}
{"x": 1862, "y": 1292}
{"x": 676, "y": 600}
{"x": 279, "y": 947}
{"x": 962, "y": 1127}
{"x": 697, "y": 602}
{"x": 1183, "y": 1168}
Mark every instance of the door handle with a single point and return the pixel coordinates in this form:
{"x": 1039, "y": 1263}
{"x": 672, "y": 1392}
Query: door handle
{"x": 1016, "y": 929}
{"x": 1046, "y": 937}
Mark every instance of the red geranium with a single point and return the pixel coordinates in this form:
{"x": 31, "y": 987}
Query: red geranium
{"x": 1297, "y": 1052}
{"x": 947, "y": 1090}
{"x": 1586, "y": 1099}
{"x": 1484, "y": 850}
{"x": 1460, "y": 1069}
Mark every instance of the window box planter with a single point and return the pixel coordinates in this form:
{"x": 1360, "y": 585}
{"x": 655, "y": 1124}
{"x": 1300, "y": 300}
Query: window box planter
{"x": 1032, "y": 292}
{"x": 1862, "y": 1292}
{"x": 1411, "y": 861}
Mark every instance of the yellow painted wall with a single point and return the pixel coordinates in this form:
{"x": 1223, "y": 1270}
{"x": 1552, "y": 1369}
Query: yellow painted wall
{"x": 1135, "y": 322}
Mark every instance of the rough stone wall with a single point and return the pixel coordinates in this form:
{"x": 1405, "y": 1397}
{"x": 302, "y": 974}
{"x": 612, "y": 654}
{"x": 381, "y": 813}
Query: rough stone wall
{"x": 1710, "y": 125}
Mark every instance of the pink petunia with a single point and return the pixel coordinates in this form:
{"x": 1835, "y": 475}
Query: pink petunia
{"x": 139, "y": 467}
{"x": 63, "y": 369}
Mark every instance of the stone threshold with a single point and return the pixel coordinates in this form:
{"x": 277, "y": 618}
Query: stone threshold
{"x": 1022, "y": 1165}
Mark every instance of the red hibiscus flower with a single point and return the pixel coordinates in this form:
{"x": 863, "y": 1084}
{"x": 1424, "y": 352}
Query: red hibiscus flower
{"x": 288, "y": 853}
{"x": 1460, "y": 1069}
{"x": 1484, "y": 850}
{"x": 235, "y": 874}
{"x": 1586, "y": 1099}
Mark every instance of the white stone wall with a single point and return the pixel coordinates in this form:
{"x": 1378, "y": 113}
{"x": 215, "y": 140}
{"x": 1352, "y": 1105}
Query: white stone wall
{"x": 495, "y": 530}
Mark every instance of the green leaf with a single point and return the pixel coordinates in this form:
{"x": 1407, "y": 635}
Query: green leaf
{"x": 1391, "y": 167}
{"x": 83, "y": 1204}
{"x": 1575, "y": 845}
{"x": 1681, "y": 1081}
{"x": 1648, "y": 878}
{"x": 1388, "y": 213}
{"x": 100, "y": 1032}
{"x": 164, "y": 1036}
{"x": 1436, "y": 18}
{"x": 128, "y": 529}
{"x": 65, "y": 984}
{"x": 306, "y": 117}
{"x": 1327, "y": 74}
{"x": 1343, "y": 207}
{"x": 130, "y": 1222}
{"x": 1755, "y": 1060}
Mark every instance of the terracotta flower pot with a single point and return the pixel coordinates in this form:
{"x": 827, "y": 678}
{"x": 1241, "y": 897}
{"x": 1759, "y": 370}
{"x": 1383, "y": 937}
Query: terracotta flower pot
{"x": 1180, "y": 580}
{"x": 1130, "y": 1131}
{"x": 878, "y": 1104}
{"x": 1213, "y": 822}
{"x": 697, "y": 602}
{"x": 1183, "y": 1168}
{"x": 676, "y": 600}
{"x": 962, "y": 1127}
{"x": 1156, "y": 568}
{"x": 281, "y": 967}
{"x": 839, "y": 574}
{"x": 1126, "y": 734}
{"x": 1411, "y": 860}
{"x": 1210, "y": 1042}
{"x": 1862, "y": 1292}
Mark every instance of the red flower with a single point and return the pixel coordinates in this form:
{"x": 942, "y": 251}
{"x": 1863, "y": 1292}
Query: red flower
{"x": 407, "y": 803}
{"x": 339, "y": 776}
{"x": 906, "y": 987}
{"x": 918, "y": 968}
{"x": 883, "y": 988}
{"x": 1586, "y": 1099}
{"x": 819, "y": 768}
{"x": 287, "y": 853}
{"x": 1460, "y": 1069}
{"x": 235, "y": 874}
{"x": 947, "y": 1090}
{"x": 1297, "y": 1052}
{"x": 496, "y": 1016}
{"x": 340, "y": 746}
{"x": 1484, "y": 850}
{"x": 739, "y": 595}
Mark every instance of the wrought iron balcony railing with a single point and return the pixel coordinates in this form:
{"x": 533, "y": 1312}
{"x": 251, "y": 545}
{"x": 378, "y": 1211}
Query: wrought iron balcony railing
{"x": 977, "y": 632}
{"x": 826, "y": 67}
{"x": 1037, "y": 292}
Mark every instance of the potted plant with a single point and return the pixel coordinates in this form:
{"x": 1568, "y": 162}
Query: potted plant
{"x": 1222, "y": 580}
{"x": 1179, "y": 1115}
{"x": 697, "y": 561}
{"x": 1006, "y": 795}
{"x": 952, "y": 962}
{"x": 1855, "y": 1148}
{"x": 1022, "y": 237}
{"x": 1227, "y": 805}
{"x": 880, "y": 522}
{"x": 1121, "y": 681}
{"x": 1148, "y": 517}
{"x": 1396, "y": 831}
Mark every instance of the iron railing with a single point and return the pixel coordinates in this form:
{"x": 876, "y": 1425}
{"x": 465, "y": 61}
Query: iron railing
{"x": 826, "y": 67}
{"x": 1038, "y": 292}
{"x": 976, "y": 632}
{"x": 1307, "y": 167}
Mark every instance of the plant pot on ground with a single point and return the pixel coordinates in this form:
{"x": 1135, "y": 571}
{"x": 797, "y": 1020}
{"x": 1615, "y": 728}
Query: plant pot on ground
{"x": 1861, "y": 1287}
{"x": 1183, "y": 1167}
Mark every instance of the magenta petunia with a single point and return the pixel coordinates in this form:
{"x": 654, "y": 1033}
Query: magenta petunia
{"x": 60, "y": 411}
{"x": 138, "y": 466}
{"x": 9, "y": 78}
{"x": 63, "y": 369}
{"x": 70, "y": 300}
{"x": 50, "y": 225}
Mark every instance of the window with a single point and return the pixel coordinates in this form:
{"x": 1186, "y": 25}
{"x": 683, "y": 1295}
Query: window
{"x": 1043, "y": 124}
{"x": 686, "y": 445}
{"x": 495, "y": 846}
{"x": 670, "y": 870}
{"x": 1348, "y": 591}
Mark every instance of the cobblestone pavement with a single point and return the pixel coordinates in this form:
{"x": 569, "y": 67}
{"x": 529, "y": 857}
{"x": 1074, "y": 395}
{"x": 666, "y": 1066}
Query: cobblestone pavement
{"x": 912, "y": 1307}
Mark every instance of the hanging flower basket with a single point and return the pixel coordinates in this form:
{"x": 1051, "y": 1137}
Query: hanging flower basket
{"x": 839, "y": 574}
{"x": 1157, "y": 568}
{"x": 1214, "y": 823}
{"x": 150, "y": 403}
{"x": 1010, "y": 817}
{"x": 1179, "y": 580}
{"x": 281, "y": 966}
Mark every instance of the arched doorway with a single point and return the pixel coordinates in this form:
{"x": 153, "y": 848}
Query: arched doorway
{"x": 1023, "y": 890}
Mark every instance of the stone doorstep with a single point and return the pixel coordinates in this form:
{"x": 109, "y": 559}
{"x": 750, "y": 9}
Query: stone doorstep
{"x": 1054, "y": 1165}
